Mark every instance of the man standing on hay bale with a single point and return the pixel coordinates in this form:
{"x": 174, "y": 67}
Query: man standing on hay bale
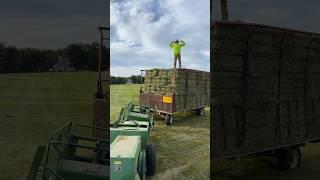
{"x": 176, "y": 46}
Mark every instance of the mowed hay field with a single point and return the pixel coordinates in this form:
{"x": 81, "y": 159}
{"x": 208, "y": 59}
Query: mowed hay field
{"x": 182, "y": 149}
{"x": 34, "y": 105}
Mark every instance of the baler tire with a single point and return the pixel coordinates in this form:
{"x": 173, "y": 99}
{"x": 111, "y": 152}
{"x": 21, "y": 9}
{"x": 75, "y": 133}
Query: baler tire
{"x": 151, "y": 159}
{"x": 142, "y": 165}
{"x": 168, "y": 119}
{"x": 289, "y": 158}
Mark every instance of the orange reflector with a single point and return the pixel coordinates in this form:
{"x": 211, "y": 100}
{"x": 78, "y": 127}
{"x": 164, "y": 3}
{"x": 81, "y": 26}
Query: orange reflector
{"x": 167, "y": 99}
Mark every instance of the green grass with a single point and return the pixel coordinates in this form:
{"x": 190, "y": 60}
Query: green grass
{"x": 182, "y": 149}
{"x": 32, "y": 106}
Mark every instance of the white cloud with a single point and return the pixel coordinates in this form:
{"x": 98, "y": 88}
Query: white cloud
{"x": 142, "y": 29}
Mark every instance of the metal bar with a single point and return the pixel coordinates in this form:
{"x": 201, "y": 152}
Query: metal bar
{"x": 54, "y": 173}
{"x": 99, "y": 93}
{"x": 141, "y": 79}
{"x": 265, "y": 149}
{"x": 77, "y": 145}
{"x": 102, "y": 28}
{"x": 95, "y": 127}
{"x": 56, "y": 148}
{"x": 67, "y": 125}
{"x": 91, "y": 139}
{"x": 33, "y": 172}
{"x": 224, "y": 10}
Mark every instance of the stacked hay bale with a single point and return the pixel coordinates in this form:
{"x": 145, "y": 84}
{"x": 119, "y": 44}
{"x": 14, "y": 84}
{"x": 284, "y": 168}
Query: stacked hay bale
{"x": 158, "y": 81}
{"x": 265, "y": 87}
{"x": 191, "y": 87}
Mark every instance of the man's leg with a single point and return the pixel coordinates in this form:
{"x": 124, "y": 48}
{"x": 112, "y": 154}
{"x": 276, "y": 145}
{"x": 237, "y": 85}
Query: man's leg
{"x": 179, "y": 58}
{"x": 175, "y": 61}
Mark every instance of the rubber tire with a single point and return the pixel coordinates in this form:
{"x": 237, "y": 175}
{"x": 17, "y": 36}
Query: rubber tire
{"x": 168, "y": 119}
{"x": 200, "y": 112}
{"x": 142, "y": 165}
{"x": 151, "y": 159}
{"x": 287, "y": 160}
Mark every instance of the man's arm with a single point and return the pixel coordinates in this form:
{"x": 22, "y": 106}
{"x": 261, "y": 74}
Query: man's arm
{"x": 171, "y": 44}
{"x": 182, "y": 43}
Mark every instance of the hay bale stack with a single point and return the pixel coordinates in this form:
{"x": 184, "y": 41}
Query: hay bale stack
{"x": 265, "y": 88}
{"x": 192, "y": 87}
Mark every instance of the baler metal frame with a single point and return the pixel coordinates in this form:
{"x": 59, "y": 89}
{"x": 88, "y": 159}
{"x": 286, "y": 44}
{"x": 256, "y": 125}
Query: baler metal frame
{"x": 63, "y": 143}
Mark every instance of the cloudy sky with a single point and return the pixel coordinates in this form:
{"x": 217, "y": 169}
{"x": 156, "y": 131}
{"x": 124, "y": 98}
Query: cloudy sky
{"x": 141, "y": 31}
{"x": 50, "y": 24}
{"x": 296, "y": 14}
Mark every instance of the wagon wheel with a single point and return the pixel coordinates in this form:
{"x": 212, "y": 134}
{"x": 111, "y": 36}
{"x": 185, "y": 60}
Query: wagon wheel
{"x": 289, "y": 158}
{"x": 200, "y": 112}
{"x": 168, "y": 119}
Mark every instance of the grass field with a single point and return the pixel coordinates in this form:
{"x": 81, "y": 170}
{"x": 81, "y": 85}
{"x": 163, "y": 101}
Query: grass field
{"x": 33, "y": 105}
{"x": 182, "y": 149}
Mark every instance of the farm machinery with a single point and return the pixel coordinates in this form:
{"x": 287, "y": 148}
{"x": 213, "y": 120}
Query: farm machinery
{"x": 73, "y": 156}
{"x": 131, "y": 157}
{"x": 76, "y": 151}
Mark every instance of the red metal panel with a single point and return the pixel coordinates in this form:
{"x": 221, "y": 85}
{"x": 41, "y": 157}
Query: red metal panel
{"x": 155, "y": 102}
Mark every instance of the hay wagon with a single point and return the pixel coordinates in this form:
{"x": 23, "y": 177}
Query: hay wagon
{"x": 265, "y": 91}
{"x": 168, "y": 91}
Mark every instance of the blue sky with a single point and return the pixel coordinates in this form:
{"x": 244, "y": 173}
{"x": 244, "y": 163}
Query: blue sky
{"x": 141, "y": 31}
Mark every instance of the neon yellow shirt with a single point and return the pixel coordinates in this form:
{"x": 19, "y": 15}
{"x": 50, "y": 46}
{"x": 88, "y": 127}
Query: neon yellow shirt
{"x": 177, "y": 46}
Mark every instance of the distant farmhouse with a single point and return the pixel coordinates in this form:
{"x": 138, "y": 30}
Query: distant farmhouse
{"x": 63, "y": 65}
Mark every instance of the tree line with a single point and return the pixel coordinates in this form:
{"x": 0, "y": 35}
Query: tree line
{"x": 23, "y": 60}
{"x": 123, "y": 80}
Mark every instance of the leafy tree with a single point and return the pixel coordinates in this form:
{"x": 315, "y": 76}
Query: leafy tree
{"x": 81, "y": 57}
{"x": 136, "y": 79}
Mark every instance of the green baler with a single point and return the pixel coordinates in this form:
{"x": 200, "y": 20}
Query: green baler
{"x": 72, "y": 155}
{"x": 131, "y": 157}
